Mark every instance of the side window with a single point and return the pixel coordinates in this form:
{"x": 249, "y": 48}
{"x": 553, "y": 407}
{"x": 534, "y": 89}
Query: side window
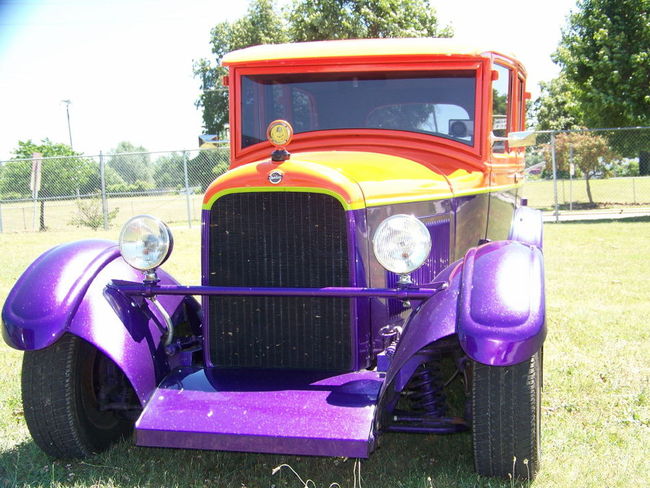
{"x": 501, "y": 98}
{"x": 521, "y": 124}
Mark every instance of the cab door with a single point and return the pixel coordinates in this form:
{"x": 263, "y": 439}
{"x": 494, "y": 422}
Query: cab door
{"x": 505, "y": 164}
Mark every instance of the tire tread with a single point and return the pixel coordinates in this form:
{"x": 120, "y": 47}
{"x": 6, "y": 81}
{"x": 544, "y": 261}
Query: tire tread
{"x": 505, "y": 408}
{"x": 53, "y": 411}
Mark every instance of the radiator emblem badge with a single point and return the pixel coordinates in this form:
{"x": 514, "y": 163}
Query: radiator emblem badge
{"x": 275, "y": 176}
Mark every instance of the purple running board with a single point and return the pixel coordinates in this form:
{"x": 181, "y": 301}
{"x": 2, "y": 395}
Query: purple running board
{"x": 281, "y": 412}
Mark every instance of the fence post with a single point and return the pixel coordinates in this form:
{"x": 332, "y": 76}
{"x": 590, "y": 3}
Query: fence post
{"x": 187, "y": 191}
{"x": 557, "y": 214}
{"x": 35, "y": 212}
{"x": 633, "y": 200}
{"x": 1, "y": 218}
{"x": 102, "y": 179}
{"x": 570, "y": 178}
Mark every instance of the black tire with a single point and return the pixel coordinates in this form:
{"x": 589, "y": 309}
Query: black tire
{"x": 60, "y": 385}
{"x": 506, "y": 411}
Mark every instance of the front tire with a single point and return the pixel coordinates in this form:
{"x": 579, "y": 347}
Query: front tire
{"x": 61, "y": 387}
{"x": 506, "y": 408}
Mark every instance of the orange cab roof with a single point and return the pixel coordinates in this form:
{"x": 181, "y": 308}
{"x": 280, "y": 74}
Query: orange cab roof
{"x": 353, "y": 49}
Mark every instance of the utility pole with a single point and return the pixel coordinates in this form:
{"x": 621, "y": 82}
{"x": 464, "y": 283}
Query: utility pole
{"x": 67, "y": 111}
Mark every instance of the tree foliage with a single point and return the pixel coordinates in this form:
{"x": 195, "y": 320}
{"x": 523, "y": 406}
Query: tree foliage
{"x": 605, "y": 57}
{"x": 207, "y": 165}
{"x": 305, "y": 20}
{"x": 132, "y": 164}
{"x": 262, "y": 25}
{"x": 47, "y": 148}
{"x": 589, "y": 152}
{"x": 359, "y": 19}
{"x": 557, "y": 107}
{"x": 168, "y": 172}
{"x": 59, "y": 177}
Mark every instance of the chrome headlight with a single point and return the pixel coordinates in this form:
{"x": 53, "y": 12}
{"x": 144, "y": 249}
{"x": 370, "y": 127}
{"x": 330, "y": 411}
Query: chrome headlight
{"x": 145, "y": 242}
{"x": 401, "y": 243}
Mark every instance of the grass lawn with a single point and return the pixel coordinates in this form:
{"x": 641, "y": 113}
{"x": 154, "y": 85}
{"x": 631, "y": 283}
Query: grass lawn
{"x": 596, "y": 400}
{"x": 607, "y": 193}
{"x": 59, "y": 214}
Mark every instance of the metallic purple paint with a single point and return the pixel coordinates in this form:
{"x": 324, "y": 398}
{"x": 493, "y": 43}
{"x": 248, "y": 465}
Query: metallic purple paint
{"x": 359, "y": 308}
{"x": 43, "y": 301}
{"x": 431, "y": 321}
{"x": 205, "y": 281}
{"x": 385, "y": 311}
{"x": 64, "y": 291}
{"x": 283, "y": 412}
{"x": 493, "y": 300}
{"x": 501, "y": 311}
{"x": 145, "y": 289}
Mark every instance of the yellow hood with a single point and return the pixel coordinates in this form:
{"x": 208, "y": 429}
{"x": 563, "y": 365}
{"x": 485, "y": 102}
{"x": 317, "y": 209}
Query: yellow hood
{"x": 357, "y": 179}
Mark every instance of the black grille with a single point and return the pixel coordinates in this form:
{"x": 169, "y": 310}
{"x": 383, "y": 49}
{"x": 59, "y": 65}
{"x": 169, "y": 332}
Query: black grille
{"x": 279, "y": 239}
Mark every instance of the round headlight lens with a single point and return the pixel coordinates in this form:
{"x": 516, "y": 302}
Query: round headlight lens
{"x": 402, "y": 243}
{"x": 145, "y": 242}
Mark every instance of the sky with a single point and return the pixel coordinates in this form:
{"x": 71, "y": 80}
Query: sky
{"x": 126, "y": 65}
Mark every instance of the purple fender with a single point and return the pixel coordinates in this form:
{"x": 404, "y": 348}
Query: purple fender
{"x": 494, "y": 302}
{"x": 64, "y": 291}
{"x": 431, "y": 321}
{"x": 501, "y": 309}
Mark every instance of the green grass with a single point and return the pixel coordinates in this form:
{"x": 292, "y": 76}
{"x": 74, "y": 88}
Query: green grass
{"x": 607, "y": 193}
{"x": 59, "y": 214}
{"x": 596, "y": 400}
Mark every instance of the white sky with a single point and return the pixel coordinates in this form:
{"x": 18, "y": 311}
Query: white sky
{"x": 126, "y": 65}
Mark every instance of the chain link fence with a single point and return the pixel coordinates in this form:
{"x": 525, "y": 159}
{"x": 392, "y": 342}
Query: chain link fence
{"x": 584, "y": 171}
{"x": 591, "y": 170}
{"x": 104, "y": 191}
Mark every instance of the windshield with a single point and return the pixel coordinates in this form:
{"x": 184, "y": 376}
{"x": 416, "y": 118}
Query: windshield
{"x": 439, "y": 103}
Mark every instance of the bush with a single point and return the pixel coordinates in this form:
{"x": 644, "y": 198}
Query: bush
{"x": 91, "y": 213}
{"x": 625, "y": 167}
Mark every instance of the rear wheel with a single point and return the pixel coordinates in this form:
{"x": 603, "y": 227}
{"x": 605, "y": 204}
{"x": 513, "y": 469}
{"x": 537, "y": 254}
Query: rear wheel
{"x": 67, "y": 393}
{"x": 506, "y": 407}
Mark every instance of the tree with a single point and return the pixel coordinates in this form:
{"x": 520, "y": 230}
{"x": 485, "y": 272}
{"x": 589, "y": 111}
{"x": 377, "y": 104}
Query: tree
{"x": 67, "y": 174}
{"x": 591, "y": 154}
{"x": 311, "y": 20}
{"x": 168, "y": 172}
{"x": 605, "y": 55}
{"x": 557, "y": 108}
{"x": 305, "y": 20}
{"x": 62, "y": 176}
{"x": 201, "y": 169}
{"x": 262, "y": 25}
{"x": 207, "y": 165}
{"x": 132, "y": 164}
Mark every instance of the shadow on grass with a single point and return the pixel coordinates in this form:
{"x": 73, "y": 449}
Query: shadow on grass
{"x": 402, "y": 460}
{"x": 618, "y": 219}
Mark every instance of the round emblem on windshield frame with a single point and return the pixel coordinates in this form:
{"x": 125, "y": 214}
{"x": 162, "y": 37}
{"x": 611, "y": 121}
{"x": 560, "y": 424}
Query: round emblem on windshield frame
{"x": 275, "y": 177}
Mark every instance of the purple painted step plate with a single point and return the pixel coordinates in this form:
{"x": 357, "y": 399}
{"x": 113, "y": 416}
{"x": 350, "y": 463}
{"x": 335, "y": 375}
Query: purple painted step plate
{"x": 281, "y": 412}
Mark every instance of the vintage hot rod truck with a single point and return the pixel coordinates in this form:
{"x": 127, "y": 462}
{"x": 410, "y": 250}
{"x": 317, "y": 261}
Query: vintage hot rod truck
{"x": 370, "y": 231}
